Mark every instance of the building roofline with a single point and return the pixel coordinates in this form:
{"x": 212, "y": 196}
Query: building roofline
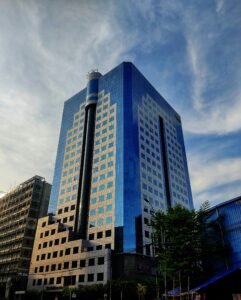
{"x": 225, "y": 203}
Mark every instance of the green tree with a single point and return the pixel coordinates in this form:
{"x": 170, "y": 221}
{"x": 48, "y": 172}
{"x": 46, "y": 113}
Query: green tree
{"x": 141, "y": 291}
{"x": 184, "y": 239}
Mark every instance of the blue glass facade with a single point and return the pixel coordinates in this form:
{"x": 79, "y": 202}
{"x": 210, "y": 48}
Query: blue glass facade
{"x": 131, "y": 142}
{"x": 229, "y": 216}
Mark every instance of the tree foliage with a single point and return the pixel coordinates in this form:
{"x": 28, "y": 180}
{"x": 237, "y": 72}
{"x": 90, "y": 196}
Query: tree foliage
{"x": 184, "y": 239}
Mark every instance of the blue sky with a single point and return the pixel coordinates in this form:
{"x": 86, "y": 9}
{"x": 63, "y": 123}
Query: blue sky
{"x": 189, "y": 50}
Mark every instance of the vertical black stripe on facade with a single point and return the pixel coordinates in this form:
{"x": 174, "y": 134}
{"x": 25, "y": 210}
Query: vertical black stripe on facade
{"x": 87, "y": 171}
{"x": 82, "y": 213}
{"x": 77, "y": 209}
{"x": 164, "y": 161}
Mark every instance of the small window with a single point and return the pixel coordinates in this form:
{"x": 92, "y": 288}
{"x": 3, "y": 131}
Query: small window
{"x": 108, "y": 233}
{"x": 45, "y": 281}
{"x": 52, "y": 231}
{"x": 63, "y": 240}
{"x": 34, "y": 282}
{"x": 61, "y": 252}
{"x": 91, "y": 262}
{"x": 82, "y": 263}
{"x": 71, "y": 218}
{"x": 65, "y": 220}
{"x": 39, "y": 282}
{"x": 39, "y": 246}
{"x": 72, "y": 207}
{"x": 45, "y": 245}
{"x": 66, "y": 265}
{"x": 53, "y": 267}
{"x": 41, "y": 269}
{"x": 43, "y": 256}
{"x": 60, "y": 211}
{"x": 99, "y": 247}
{"x": 147, "y": 235}
{"x": 43, "y": 224}
{"x": 59, "y": 266}
{"x": 48, "y": 255}
{"x": 66, "y": 209}
{"x": 56, "y": 242}
{"x": 35, "y": 270}
{"x": 101, "y": 260}
{"x": 47, "y": 268}
{"x": 37, "y": 258}
{"x": 74, "y": 264}
{"x": 55, "y": 254}
{"x": 108, "y": 246}
{"x": 99, "y": 235}
{"x": 81, "y": 278}
{"x": 50, "y": 243}
{"x": 67, "y": 251}
{"x": 46, "y": 233}
{"x": 91, "y": 236}
{"x": 58, "y": 280}
{"x": 100, "y": 276}
{"x": 51, "y": 280}
{"x": 75, "y": 250}
{"x": 41, "y": 235}
{"x": 90, "y": 277}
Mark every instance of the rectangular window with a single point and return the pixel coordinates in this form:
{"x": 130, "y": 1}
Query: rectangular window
{"x": 82, "y": 278}
{"x": 100, "y": 276}
{"x": 90, "y": 277}
{"x": 82, "y": 263}
{"x": 91, "y": 262}
{"x": 99, "y": 235}
{"x": 101, "y": 260}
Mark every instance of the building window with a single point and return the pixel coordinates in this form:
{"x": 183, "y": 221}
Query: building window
{"x": 71, "y": 218}
{"x": 55, "y": 254}
{"x": 67, "y": 251}
{"x": 66, "y": 209}
{"x": 66, "y": 265}
{"x": 35, "y": 270}
{"x": 75, "y": 250}
{"x": 61, "y": 252}
{"x": 60, "y": 211}
{"x": 100, "y": 276}
{"x": 101, "y": 260}
{"x": 91, "y": 236}
{"x": 43, "y": 224}
{"x": 45, "y": 281}
{"x": 81, "y": 278}
{"x": 52, "y": 231}
{"x": 48, "y": 255}
{"x": 90, "y": 277}
{"x": 51, "y": 280}
{"x": 58, "y": 280}
{"x": 72, "y": 207}
{"x": 99, "y": 247}
{"x": 34, "y": 282}
{"x": 99, "y": 235}
{"x": 108, "y": 246}
{"x": 46, "y": 268}
{"x": 50, "y": 243}
{"x": 91, "y": 262}
{"x": 53, "y": 267}
{"x": 82, "y": 263}
{"x": 63, "y": 240}
{"x": 42, "y": 256}
{"x": 108, "y": 233}
{"x": 39, "y": 282}
{"x": 41, "y": 269}
{"x": 74, "y": 264}
{"x": 147, "y": 235}
{"x": 46, "y": 233}
{"x": 59, "y": 266}
{"x": 56, "y": 242}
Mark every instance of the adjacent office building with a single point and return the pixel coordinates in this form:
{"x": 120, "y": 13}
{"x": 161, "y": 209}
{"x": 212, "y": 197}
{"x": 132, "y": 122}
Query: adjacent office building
{"x": 120, "y": 156}
{"x": 19, "y": 212}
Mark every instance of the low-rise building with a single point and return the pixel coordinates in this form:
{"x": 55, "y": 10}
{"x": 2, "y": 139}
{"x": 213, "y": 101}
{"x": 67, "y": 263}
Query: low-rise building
{"x": 19, "y": 213}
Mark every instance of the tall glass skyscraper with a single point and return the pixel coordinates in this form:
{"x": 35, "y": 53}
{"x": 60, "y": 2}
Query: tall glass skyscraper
{"x": 121, "y": 149}
{"x": 121, "y": 155}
